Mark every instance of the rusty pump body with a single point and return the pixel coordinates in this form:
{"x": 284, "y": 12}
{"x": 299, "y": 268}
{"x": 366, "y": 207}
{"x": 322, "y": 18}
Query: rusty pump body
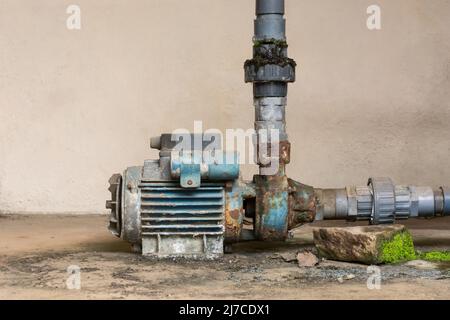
{"x": 192, "y": 203}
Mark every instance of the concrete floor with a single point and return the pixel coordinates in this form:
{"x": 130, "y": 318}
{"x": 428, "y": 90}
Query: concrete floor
{"x": 35, "y": 252}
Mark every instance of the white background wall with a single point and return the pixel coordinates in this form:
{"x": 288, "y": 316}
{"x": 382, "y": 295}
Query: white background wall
{"x": 77, "y": 106}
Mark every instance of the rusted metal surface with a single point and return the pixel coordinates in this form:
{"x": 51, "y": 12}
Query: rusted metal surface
{"x": 285, "y": 152}
{"x": 247, "y": 189}
{"x": 235, "y": 209}
{"x": 234, "y": 214}
{"x": 271, "y": 218}
{"x": 272, "y": 200}
{"x": 302, "y": 204}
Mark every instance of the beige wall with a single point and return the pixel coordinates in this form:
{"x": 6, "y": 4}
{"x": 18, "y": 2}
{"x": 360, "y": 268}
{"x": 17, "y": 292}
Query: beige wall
{"x": 77, "y": 106}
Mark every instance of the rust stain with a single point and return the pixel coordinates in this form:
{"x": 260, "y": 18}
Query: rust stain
{"x": 302, "y": 204}
{"x": 285, "y": 152}
{"x": 234, "y": 217}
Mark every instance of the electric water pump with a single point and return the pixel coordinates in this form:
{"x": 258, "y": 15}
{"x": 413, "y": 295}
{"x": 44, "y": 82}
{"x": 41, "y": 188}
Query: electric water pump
{"x": 191, "y": 202}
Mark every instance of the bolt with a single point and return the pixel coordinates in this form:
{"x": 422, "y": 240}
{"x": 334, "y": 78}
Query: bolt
{"x": 189, "y": 182}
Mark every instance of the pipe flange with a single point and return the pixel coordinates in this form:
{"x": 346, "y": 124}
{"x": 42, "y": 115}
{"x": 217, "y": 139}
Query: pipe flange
{"x": 383, "y": 205}
{"x": 270, "y": 72}
{"x": 359, "y": 203}
{"x": 402, "y": 202}
{"x": 446, "y": 193}
{"x": 364, "y": 203}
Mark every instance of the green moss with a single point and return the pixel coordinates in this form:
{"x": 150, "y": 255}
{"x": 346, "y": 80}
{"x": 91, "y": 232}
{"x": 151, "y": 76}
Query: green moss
{"x": 273, "y": 54}
{"x": 436, "y": 256}
{"x": 278, "y": 43}
{"x": 398, "y": 249}
{"x": 262, "y": 60}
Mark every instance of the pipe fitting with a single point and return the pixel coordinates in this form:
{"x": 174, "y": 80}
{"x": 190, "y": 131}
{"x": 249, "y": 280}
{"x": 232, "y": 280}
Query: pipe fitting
{"x": 269, "y": 7}
{"x": 382, "y": 202}
{"x": 446, "y": 196}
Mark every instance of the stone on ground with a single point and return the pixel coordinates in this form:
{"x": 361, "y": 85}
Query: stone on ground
{"x": 421, "y": 264}
{"x": 289, "y": 256}
{"x": 366, "y": 244}
{"x": 346, "y": 277}
{"x": 307, "y": 259}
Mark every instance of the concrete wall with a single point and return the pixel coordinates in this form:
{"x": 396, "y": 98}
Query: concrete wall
{"x": 77, "y": 106}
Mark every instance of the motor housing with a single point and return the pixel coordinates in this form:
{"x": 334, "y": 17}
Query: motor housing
{"x": 176, "y": 205}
